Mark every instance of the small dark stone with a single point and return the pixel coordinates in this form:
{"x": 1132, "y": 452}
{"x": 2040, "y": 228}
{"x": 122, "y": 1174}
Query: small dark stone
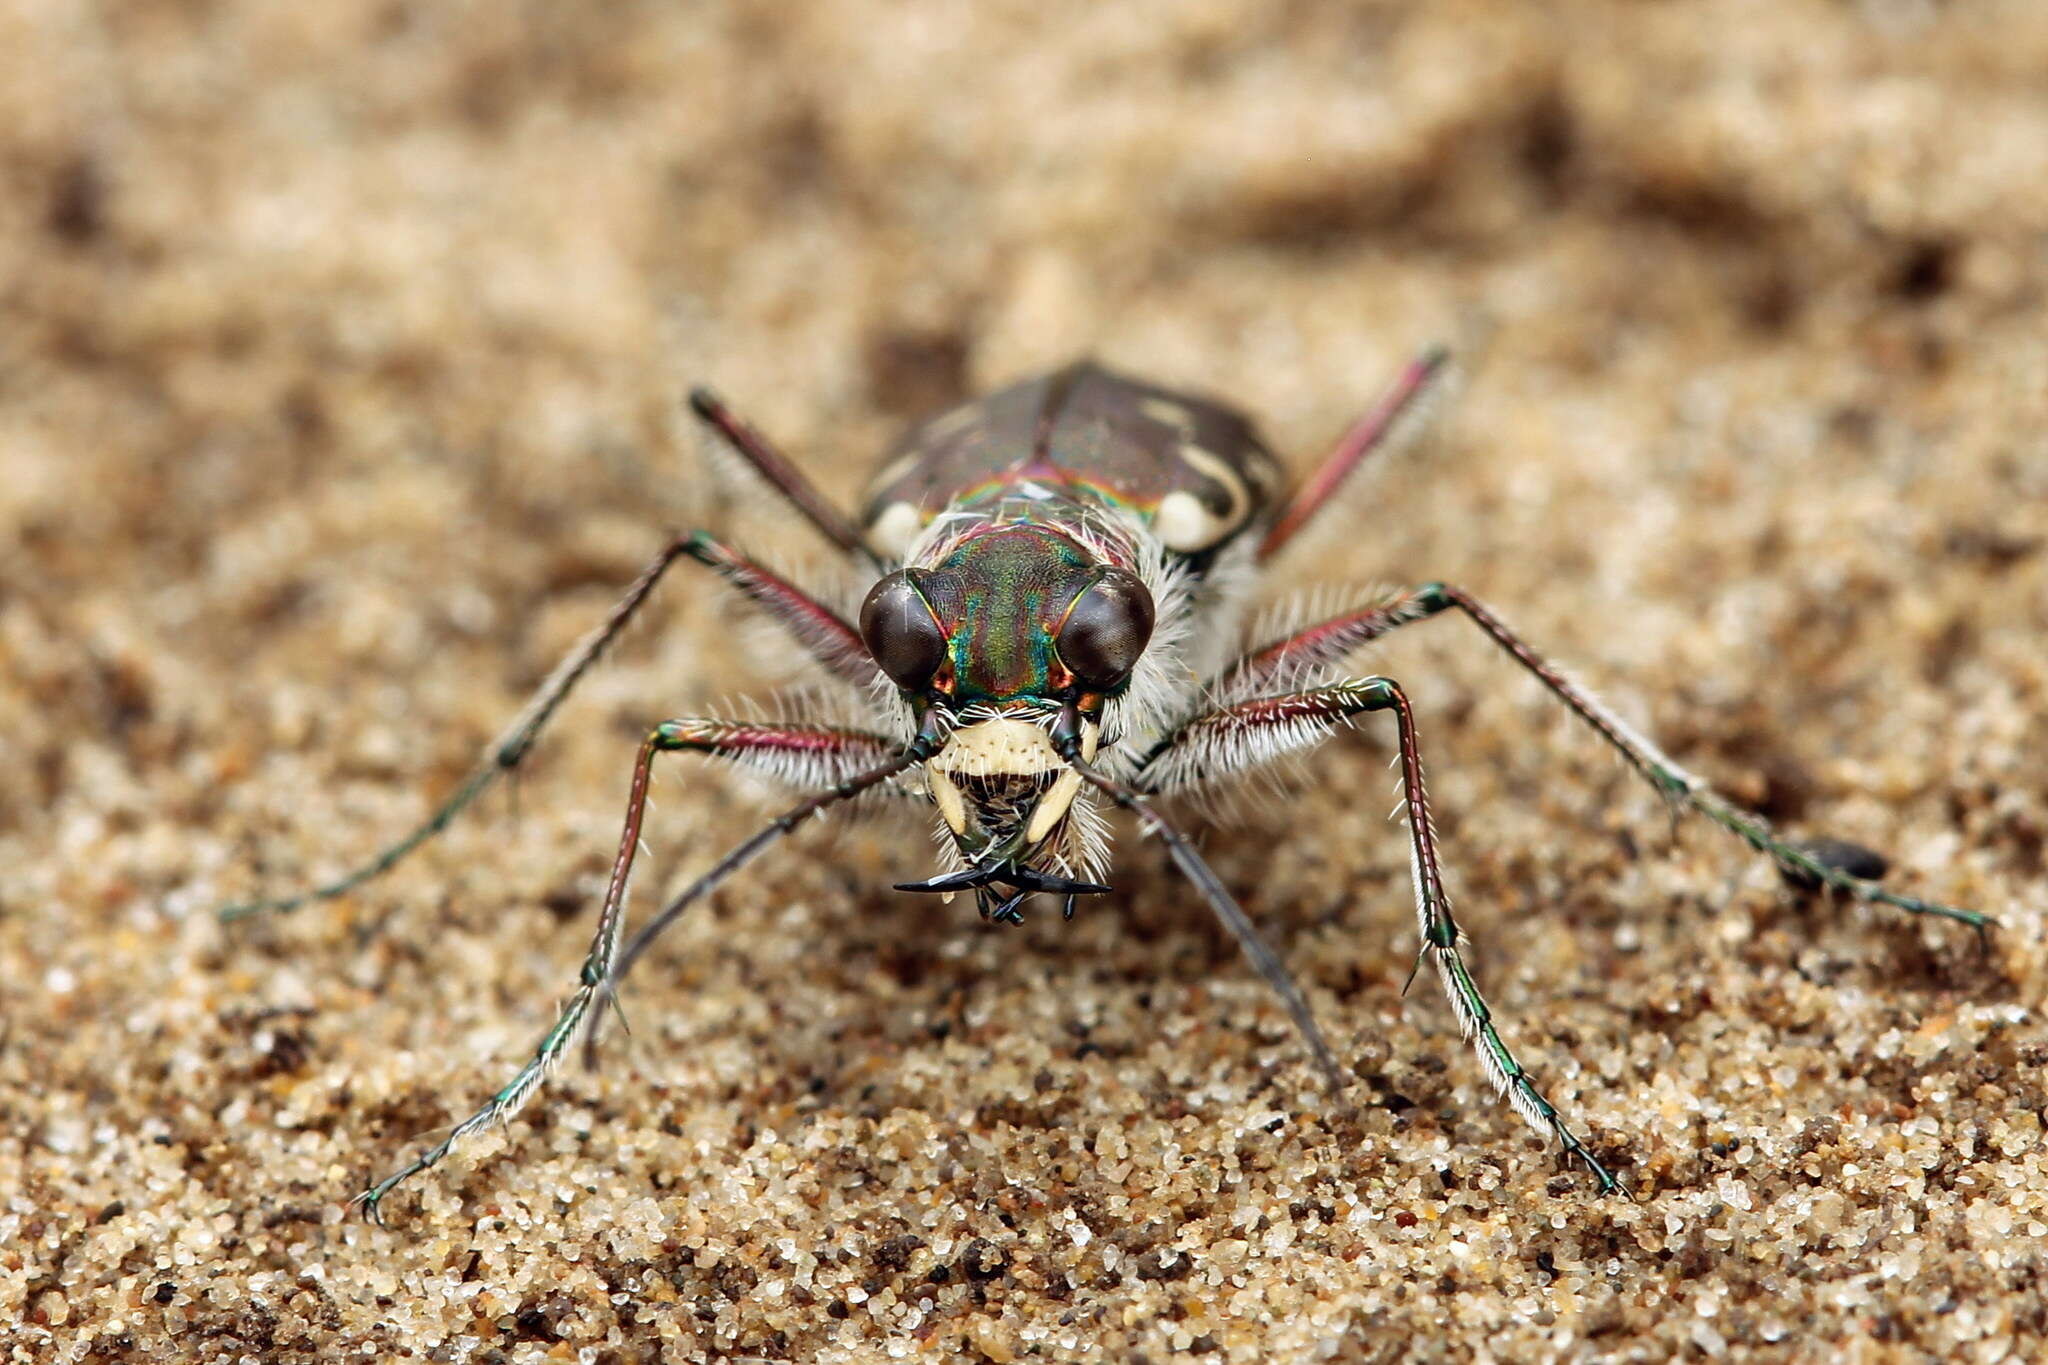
{"x": 1165, "y": 1265}
{"x": 894, "y": 1254}
{"x": 983, "y": 1260}
{"x": 1924, "y": 271}
{"x": 77, "y": 210}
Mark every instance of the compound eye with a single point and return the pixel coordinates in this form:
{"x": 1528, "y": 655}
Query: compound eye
{"x": 1106, "y": 630}
{"x": 900, "y": 631}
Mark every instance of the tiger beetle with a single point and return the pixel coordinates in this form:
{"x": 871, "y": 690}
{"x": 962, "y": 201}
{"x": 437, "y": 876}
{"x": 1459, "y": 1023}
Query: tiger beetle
{"x": 1053, "y": 628}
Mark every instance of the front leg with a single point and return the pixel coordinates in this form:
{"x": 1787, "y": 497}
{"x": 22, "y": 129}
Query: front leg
{"x": 1247, "y": 734}
{"x": 842, "y": 762}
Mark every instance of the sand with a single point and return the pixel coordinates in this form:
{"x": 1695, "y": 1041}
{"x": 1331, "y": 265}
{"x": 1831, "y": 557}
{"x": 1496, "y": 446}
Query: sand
{"x": 339, "y": 373}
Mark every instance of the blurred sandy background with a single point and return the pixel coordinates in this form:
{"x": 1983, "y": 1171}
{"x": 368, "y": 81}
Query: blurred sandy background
{"x": 339, "y": 364}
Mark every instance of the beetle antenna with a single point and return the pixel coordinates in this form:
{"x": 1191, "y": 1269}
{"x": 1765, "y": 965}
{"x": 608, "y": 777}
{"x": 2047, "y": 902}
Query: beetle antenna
{"x": 1369, "y": 433}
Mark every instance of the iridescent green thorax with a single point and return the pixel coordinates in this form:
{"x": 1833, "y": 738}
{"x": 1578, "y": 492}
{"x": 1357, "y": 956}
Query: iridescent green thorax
{"x": 1000, "y": 595}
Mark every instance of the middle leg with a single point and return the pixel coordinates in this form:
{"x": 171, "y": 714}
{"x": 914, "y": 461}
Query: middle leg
{"x": 818, "y": 629}
{"x": 1304, "y": 654}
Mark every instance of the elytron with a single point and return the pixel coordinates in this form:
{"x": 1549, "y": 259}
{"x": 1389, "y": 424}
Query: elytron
{"x": 1054, "y": 630}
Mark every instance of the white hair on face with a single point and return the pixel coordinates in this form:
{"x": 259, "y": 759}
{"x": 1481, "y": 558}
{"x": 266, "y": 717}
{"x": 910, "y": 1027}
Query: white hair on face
{"x": 951, "y": 859}
{"x": 1163, "y": 678}
{"x": 1085, "y": 847}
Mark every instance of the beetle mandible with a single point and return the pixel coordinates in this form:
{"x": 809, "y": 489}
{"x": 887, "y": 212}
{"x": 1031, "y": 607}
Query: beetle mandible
{"x": 1051, "y": 630}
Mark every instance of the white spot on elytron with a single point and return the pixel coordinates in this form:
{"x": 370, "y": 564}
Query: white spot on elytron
{"x": 1185, "y": 524}
{"x": 1264, "y": 474}
{"x": 895, "y": 529}
{"x": 1038, "y": 492}
{"x": 1169, "y": 414}
{"x": 1213, "y": 466}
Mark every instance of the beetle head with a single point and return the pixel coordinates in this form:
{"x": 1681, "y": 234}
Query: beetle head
{"x": 1006, "y": 629}
{"x": 1016, "y": 612}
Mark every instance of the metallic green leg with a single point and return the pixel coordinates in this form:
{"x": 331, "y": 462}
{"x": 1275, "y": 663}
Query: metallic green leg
{"x": 1324, "y": 644}
{"x": 854, "y": 761}
{"x": 1255, "y": 731}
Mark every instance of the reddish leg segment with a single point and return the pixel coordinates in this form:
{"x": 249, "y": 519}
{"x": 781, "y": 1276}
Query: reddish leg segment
{"x": 825, "y": 635}
{"x": 1368, "y": 434}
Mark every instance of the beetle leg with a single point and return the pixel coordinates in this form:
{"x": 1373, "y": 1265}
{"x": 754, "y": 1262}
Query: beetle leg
{"x": 1367, "y": 434}
{"x": 824, "y": 634}
{"x": 845, "y": 762}
{"x": 783, "y": 476}
{"x": 819, "y": 629}
{"x": 1323, "y": 644}
{"x": 504, "y": 752}
{"x": 1235, "y": 737}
